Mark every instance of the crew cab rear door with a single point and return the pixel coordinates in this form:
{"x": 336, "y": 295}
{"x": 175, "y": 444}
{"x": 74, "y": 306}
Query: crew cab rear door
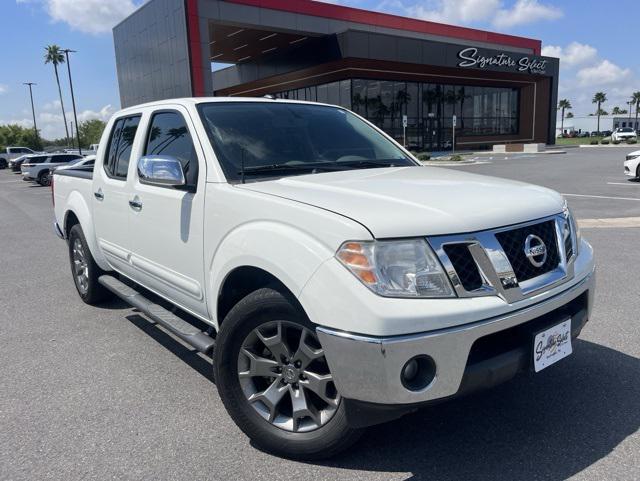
{"x": 112, "y": 191}
{"x": 167, "y": 222}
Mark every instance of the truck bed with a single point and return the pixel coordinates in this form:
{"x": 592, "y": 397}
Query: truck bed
{"x": 80, "y": 172}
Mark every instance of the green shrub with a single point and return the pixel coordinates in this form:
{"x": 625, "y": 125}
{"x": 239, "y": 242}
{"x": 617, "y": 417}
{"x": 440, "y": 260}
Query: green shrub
{"x": 455, "y": 158}
{"x": 424, "y": 156}
{"x": 594, "y": 142}
{"x": 615, "y": 142}
{"x": 631, "y": 141}
{"x": 604, "y": 142}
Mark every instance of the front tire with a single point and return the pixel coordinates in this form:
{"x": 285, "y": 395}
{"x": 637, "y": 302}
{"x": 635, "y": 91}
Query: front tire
{"x": 84, "y": 269}
{"x": 274, "y": 380}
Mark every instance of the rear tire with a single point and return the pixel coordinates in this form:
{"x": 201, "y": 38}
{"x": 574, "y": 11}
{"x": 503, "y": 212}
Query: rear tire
{"x": 279, "y": 427}
{"x": 43, "y": 178}
{"x": 3, "y": 163}
{"x": 84, "y": 269}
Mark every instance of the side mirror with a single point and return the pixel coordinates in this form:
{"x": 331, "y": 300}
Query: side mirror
{"x": 161, "y": 170}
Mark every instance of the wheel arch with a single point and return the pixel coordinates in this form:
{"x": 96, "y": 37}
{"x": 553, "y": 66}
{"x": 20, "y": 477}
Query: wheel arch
{"x": 242, "y": 281}
{"x": 260, "y": 254}
{"x": 77, "y": 212}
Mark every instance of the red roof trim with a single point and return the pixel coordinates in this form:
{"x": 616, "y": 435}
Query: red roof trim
{"x": 350, "y": 14}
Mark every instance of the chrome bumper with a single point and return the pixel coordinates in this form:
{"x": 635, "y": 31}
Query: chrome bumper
{"x": 368, "y": 368}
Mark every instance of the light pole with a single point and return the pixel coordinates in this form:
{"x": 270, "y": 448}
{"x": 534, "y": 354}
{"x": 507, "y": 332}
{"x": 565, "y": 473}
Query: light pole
{"x": 71, "y": 125}
{"x": 33, "y": 111}
{"x": 67, "y": 51}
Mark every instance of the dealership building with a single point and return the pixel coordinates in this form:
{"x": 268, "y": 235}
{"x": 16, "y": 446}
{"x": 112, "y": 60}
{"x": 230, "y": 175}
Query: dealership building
{"x": 413, "y": 78}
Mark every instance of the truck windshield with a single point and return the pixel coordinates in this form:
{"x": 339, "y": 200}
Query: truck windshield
{"x": 256, "y": 140}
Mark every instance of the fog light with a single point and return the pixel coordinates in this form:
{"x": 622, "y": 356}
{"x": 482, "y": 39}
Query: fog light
{"x": 418, "y": 373}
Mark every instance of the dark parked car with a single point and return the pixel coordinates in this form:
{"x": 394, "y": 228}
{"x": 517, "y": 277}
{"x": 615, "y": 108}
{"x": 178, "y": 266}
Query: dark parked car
{"x": 15, "y": 164}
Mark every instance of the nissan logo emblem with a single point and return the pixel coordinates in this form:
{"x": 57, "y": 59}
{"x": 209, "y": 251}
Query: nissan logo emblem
{"x": 535, "y": 250}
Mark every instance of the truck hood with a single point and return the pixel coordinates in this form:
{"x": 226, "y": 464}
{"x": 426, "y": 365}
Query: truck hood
{"x": 417, "y": 201}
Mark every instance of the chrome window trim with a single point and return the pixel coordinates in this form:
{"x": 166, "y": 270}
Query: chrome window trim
{"x": 498, "y": 277}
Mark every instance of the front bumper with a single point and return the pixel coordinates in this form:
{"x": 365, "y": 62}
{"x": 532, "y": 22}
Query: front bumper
{"x": 467, "y": 357}
{"x": 631, "y": 167}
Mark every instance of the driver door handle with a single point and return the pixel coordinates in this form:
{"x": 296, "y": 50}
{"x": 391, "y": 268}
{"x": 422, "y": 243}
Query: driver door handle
{"x": 135, "y": 204}
{"x": 99, "y": 195}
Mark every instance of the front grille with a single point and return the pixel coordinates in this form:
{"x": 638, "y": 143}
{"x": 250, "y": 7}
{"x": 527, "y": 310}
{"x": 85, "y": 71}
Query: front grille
{"x": 464, "y": 265}
{"x": 513, "y": 241}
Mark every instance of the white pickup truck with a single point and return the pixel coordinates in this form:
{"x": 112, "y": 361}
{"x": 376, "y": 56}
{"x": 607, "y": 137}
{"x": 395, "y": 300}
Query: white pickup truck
{"x": 342, "y": 283}
{"x": 9, "y": 153}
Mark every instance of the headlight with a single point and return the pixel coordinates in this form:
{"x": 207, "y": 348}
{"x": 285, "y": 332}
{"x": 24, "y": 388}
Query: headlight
{"x": 403, "y": 268}
{"x": 632, "y": 156}
{"x": 573, "y": 226}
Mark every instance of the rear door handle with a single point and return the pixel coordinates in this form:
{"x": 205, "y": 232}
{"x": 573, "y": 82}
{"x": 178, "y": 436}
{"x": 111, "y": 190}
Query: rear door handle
{"x": 99, "y": 195}
{"x": 135, "y": 204}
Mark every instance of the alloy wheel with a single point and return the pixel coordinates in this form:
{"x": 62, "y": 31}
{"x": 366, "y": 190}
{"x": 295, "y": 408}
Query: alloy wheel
{"x": 285, "y": 377}
{"x": 80, "y": 266}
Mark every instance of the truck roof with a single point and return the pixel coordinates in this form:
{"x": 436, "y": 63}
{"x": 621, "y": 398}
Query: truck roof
{"x": 200, "y": 100}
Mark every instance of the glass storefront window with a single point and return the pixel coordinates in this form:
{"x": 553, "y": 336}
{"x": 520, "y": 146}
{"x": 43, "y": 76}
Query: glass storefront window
{"x": 480, "y": 110}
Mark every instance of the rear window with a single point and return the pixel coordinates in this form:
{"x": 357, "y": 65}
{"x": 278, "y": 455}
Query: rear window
{"x": 63, "y": 159}
{"x": 36, "y": 160}
{"x": 118, "y": 155}
{"x": 626, "y": 129}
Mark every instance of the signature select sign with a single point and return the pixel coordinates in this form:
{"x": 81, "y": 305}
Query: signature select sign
{"x": 470, "y": 58}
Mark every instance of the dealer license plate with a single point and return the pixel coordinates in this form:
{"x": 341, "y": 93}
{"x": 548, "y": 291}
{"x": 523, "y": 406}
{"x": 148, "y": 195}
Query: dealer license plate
{"x": 551, "y": 345}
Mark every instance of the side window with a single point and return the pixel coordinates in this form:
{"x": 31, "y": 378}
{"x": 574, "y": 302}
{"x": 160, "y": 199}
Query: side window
{"x": 120, "y": 143}
{"x": 110, "y": 157}
{"x": 169, "y": 135}
{"x": 124, "y": 146}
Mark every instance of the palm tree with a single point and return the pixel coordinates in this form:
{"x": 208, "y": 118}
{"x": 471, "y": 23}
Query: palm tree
{"x": 55, "y": 56}
{"x": 563, "y": 105}
{"x": 599, "y": 98}
{"x": 618, "y": 111}
{"x": 635, "y": 98}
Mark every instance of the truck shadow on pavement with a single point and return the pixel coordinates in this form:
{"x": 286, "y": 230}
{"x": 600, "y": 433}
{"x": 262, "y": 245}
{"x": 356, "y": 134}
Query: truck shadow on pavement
{"x": 548, "y": 426}
{"x": 187, "y": 354}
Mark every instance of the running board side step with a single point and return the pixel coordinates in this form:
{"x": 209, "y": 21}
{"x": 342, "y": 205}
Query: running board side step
{"x": 181, "y": 328}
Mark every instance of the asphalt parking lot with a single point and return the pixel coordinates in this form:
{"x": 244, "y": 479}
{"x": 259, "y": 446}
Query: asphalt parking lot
{"x": 100, "y": 393}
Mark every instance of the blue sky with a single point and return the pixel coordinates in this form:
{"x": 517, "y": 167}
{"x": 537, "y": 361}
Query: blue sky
{"x": 597, "y": 48}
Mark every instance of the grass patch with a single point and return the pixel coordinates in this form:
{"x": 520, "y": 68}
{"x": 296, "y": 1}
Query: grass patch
{"x": 578, "y": 141}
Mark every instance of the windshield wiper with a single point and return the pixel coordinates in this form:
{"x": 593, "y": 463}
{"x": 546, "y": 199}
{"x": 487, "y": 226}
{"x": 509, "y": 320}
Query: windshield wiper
{"x": 372, "y": 163}
{"x": 302, "y": 167}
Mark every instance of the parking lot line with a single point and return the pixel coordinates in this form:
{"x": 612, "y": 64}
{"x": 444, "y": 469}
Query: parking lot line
{"x": 614, "y": 222}
{"x": 623, "y": 183}
{"x": 602, "y": 197}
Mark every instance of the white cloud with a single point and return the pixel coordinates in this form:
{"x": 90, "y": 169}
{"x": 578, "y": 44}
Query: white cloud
{"x": 573, "y": 54}
{"x": 90, "y": 16}
{"x": 444, "y": 11}
{"x": 53, "y": 105}
{"x": 455, "y": 11}
{"x": 4, "y": 89}
{"x": 50, "y": 123}
{"x": 602, "y": 74}
{"x": 474, "y": 11}
{"x": 525, "y": 11}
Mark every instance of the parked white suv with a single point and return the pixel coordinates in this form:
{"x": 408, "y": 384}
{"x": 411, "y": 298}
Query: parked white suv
{"x": 343, "y": 283}
{"x": 37, "y": 168}
{"x": 623, "y": 134}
